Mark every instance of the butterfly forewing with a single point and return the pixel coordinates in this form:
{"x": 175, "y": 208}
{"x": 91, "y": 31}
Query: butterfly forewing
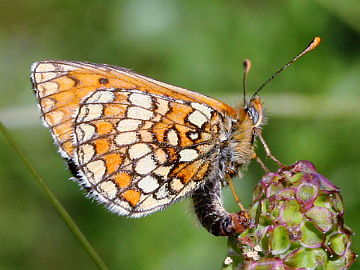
{"x": 138, "y": 144}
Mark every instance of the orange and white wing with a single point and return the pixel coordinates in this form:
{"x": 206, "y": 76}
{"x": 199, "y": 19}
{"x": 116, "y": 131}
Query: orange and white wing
{"x": 137, "y": 144}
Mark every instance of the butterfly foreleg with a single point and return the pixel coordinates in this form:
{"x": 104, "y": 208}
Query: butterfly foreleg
{"x": 267, "y": 149}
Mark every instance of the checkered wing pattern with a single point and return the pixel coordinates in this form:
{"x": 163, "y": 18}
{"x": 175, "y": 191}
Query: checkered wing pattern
{"x": 138, "y": 145}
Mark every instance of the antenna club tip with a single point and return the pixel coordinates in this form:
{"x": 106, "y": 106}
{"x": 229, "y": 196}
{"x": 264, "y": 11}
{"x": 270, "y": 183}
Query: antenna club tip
{"x": 247, "y": 65}
{"x": 316, "y": 41}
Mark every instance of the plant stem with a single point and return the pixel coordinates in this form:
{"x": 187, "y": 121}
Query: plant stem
{"x": 54, "y": 201}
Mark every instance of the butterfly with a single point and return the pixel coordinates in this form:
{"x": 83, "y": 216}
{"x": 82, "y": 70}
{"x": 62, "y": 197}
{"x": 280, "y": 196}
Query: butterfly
{"x": 138, "y": 145}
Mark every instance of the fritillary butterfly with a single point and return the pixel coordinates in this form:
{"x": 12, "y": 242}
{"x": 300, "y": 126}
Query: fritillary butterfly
{"x": 138, "y": 145}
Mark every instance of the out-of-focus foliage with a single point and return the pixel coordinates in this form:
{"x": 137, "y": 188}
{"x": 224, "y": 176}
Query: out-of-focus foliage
{"x": 313, "y": 111}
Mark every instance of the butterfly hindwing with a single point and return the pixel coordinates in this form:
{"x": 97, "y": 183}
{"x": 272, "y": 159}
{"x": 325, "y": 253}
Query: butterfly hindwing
{"x": 138, "y": 144}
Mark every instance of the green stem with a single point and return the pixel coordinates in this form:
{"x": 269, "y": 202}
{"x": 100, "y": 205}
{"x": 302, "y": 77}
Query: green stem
{"x": 54, "y": 201}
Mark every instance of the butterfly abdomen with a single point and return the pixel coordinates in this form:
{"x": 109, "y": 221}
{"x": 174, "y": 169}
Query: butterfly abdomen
{"x": 209, "y": 209}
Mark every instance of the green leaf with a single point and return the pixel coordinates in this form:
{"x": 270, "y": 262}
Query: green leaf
{"x": 311, "y": 237}
{"x": 306, "y": 192}
{"x": 290, "y": 213}
{"x": 307, "y": 258}
{"x": 321, "y": 217}
{"x": 338, "y": 243}
{"x": 279, "y": 241}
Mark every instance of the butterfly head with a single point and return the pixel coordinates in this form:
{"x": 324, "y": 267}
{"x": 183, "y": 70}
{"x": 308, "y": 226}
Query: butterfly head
{"x": 254, "y": 110}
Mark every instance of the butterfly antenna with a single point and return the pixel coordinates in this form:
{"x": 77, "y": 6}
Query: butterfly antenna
{"x": 313, "y": 44}
{"x": 247, "y": 66}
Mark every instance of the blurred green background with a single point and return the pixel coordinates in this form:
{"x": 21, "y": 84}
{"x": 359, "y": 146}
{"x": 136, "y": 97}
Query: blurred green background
{"x": 313, "y": 112}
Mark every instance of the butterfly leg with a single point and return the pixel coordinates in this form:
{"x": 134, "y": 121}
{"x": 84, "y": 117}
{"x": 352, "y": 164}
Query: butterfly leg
{"x": 262, "y": 164}
{"x": 267, "y": 149}
{"x": 233, "y": 191}
{"x": 213, "y": 216}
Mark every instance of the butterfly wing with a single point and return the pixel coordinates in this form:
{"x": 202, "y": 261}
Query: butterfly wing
{"x": 138, "y": 144}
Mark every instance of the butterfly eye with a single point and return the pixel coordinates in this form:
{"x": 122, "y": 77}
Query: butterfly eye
{"x": 254, "y": 115}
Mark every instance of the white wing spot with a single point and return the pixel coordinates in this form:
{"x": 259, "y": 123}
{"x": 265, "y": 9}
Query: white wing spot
{"x": 139, "y": 113}
{"x": 95, "y": 171}
{"x": 197, "y": 118}
{"x": 109, "y": 189}
{"x": 145, "y": 165}
{"x": 138, "y": 150}
{"x": 101, "y": 97}
{"x": 146, "y": 136}
{"x": 90, "y": 112}
{"x": 84, "y": 132}
{"x": 188, "y": 154}
{"x": 42, "y": 77}
{"x": 157, "y": 118}
{"x": 163, "y": 171}
{"x": 126, "y": 138}
{"x": 43, "y": 67}
{"x": 66, "y": 68}
{"x": 172, "y": 137}
{"x": 128, "y": 124}
{"x": 151, "y": 203}
{"x": 176, "y": 184}
{"x": 47, "y": 104}
{"x": 86, "y": 153}
{"x": 162, "y": 192}
{"x": 202, "y": 108}
{"x": 141, "y": 100}
{"x": 44, "y": 72}
{"x": 160, "y": 156}
{"x": 47, "y": 88}
{"x": 54, "y": 118}
{"x": 162, "y": 106}
{"x": 147, "y": 125}
{"x": 148, "y": 184}
{"x": 194, "y": 135}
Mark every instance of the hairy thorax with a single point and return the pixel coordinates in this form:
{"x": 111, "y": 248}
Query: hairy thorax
{"x": 237, "y": 149}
